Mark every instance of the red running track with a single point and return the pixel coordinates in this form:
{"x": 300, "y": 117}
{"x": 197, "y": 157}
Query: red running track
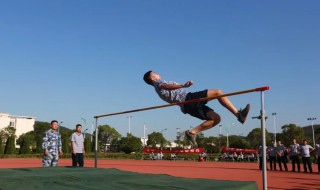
{"x": 207, "y": 170}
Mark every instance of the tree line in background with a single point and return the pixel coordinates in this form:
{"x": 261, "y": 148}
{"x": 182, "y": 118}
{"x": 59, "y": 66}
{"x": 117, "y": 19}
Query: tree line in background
{"x": 110, "y": 140}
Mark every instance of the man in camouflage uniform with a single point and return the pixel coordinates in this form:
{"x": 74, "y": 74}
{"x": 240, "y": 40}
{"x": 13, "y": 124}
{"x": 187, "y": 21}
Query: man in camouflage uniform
{"x": 51, "y": 146}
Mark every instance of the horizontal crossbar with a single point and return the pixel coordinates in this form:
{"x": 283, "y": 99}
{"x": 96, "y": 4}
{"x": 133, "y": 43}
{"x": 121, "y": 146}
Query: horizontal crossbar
{"x": 185, "y": 102}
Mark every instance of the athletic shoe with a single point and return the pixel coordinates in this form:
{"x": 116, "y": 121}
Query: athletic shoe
{"x": 191, "y": 138}
{"x": 243, "y": 113}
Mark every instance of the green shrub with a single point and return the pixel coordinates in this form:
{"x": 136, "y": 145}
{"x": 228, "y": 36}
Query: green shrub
{"x": 10, "y": 145}
{"x": 130, "y": 144}
{"x": 25, "y": 145}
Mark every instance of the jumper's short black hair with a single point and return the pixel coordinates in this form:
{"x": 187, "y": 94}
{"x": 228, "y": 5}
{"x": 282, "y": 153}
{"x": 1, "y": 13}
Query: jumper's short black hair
{"x": 78, "y": 125}
{"x": 304, "y": 140}
{"x": 53, "y": 121}
{"x": 147, "y": 79}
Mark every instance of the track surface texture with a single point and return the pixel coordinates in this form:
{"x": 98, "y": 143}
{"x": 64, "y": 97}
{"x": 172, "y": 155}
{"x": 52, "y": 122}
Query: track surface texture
{"x": 203, "y": 170}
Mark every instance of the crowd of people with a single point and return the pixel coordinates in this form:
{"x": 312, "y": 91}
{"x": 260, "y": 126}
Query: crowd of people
{"x": 156, "y": 156}
{"x": 278, "y": 153}
{"x": 240, "y": 157}
{"x": 279, "y": 156}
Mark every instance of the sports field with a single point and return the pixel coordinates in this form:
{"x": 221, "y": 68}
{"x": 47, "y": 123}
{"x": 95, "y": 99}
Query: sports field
{"x": 221, "y": 171}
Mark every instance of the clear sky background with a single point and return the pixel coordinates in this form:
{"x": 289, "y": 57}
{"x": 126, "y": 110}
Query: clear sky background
{"x": 70, "y": 59}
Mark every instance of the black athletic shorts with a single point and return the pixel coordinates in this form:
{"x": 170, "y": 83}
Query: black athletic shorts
{"x": 197, "y": 109}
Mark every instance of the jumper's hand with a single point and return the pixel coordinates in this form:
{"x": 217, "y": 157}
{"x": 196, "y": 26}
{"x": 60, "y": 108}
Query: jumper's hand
{"x": 60, "y": 153}
{"x": 187, "y": 84}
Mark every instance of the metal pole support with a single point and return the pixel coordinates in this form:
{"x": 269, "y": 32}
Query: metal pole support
{"x": 96, "y": 146}
{"x": 263, "y": 128}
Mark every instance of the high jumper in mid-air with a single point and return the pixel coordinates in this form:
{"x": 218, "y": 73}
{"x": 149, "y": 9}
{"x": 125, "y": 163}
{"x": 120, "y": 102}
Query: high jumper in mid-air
{"x": 173, "y": 92}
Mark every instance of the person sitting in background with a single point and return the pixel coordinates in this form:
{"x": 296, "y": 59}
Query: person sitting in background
{"x": 240, "y": 157}
{"x": 224, "y": 156}
{"x": 235, "y": 156}
{"x": 251, "y": 158}
{"x": 203, "y": 156}
{"x": 158, "y": 156}
{"x": 230, "y": 156}
{"x": 173, "y": 156}
{"x": 161, "y": 156}
{"x": 152, "y": 156}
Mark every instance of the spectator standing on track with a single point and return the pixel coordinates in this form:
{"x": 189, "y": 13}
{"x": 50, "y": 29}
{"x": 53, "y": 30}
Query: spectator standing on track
{"x": 77, "y": 144}
{"x": 260, "y": 157}
{"x": 318, "y": 154}
{"x": 272, "y": 156}
{"x": 294, "y": 153}
{"x": 280, "y": 155}
{"x": 51, "y": 146}
{"x": 305, "y": 153}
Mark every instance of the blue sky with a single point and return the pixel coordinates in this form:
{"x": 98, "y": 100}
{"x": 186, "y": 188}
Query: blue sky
{"x": 70, "y": 59}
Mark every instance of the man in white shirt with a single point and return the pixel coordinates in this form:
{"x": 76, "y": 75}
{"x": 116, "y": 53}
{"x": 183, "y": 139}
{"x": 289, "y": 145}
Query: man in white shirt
{"x": 77, "y": 144}
{"x": 305, "y": 153}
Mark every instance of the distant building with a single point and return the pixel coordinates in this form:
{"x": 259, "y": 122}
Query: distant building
{"x": 22, "y": 124}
